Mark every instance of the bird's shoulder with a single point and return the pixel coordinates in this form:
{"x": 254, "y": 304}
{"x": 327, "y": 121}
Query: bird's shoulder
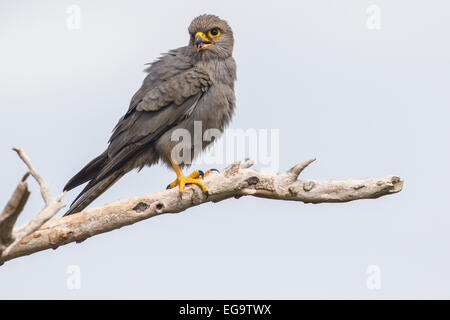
{"x": 169, "y": 64}
{"x": 173, "y": 82}
{"x": 173, "y": 72}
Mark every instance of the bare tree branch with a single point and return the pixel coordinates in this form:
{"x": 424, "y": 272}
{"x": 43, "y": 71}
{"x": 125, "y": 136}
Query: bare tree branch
{"x": 235, "y": 181}
{"x": 9, "y": 238}
{"x": 10, "y": 213}
{"x": 45, "y": 188}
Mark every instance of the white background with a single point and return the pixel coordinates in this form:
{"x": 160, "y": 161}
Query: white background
{"x": 364, "y": 102}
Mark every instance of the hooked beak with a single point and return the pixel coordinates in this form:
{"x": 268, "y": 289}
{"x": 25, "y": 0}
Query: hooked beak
{"x": 202, "y": 42}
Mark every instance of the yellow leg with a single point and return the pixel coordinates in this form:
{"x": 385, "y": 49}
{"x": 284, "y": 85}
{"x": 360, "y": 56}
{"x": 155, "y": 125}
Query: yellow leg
{"x": 181, "y": 181}
{"x": 196, "y": 174}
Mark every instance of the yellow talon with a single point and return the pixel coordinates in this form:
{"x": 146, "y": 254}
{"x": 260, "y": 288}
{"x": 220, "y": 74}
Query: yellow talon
{"x": 194, "y": 178}
{"x": 208, "y": 172}
{"x": 196, "y": 174}
{"x": 183, "y": 181}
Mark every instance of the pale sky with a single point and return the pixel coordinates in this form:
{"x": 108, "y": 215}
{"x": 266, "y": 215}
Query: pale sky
{"x": 365, "y": 102}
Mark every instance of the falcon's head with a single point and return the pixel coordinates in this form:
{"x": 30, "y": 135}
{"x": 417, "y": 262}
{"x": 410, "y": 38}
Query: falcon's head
{"x": 210, "y": 35}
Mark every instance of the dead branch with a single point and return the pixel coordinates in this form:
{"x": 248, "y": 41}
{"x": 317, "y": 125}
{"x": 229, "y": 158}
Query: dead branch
{"x": 236, "y": 180}
{"x": 10, "y": 213}
{"x": 10, "y": 237}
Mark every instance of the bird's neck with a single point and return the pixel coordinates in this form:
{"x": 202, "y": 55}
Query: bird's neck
{"x": 220, "y": 70}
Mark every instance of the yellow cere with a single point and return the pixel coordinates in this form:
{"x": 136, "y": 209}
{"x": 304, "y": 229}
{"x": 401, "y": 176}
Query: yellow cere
{"x": 202, "y": 35}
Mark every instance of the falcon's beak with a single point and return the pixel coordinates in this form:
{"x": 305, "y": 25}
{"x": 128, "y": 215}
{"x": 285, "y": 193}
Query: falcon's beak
{"x": 202, "y": 42}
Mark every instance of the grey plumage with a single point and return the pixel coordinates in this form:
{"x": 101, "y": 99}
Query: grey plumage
{"x": 185, "y": 85}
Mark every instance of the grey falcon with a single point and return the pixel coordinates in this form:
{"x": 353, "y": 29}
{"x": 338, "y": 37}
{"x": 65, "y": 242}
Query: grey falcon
{"x": 187, "y": 84}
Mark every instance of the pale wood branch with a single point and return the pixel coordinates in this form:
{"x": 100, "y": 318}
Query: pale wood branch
{"x": 236, "y": 180}
{"x": 10, "y": 237}
{"x": 45, "y": 188}
{"x": 10, "y": 213}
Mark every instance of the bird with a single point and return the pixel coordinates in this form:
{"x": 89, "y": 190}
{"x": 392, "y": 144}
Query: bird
{"x": 193, "y": 83}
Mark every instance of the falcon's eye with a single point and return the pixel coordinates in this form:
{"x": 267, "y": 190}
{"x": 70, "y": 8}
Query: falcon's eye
{"x": 214, "y": 33}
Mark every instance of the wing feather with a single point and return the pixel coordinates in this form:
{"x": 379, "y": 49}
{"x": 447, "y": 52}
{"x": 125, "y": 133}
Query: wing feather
{"x": 160, "y": 108}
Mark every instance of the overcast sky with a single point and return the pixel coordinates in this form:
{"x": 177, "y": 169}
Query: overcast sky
{"x": 366, "y": 97}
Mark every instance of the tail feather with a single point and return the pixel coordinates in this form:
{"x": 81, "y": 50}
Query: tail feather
{"x": 102, "y": 172}
{"x": 94, "y": 189}
{"x": 89, "y": 172}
